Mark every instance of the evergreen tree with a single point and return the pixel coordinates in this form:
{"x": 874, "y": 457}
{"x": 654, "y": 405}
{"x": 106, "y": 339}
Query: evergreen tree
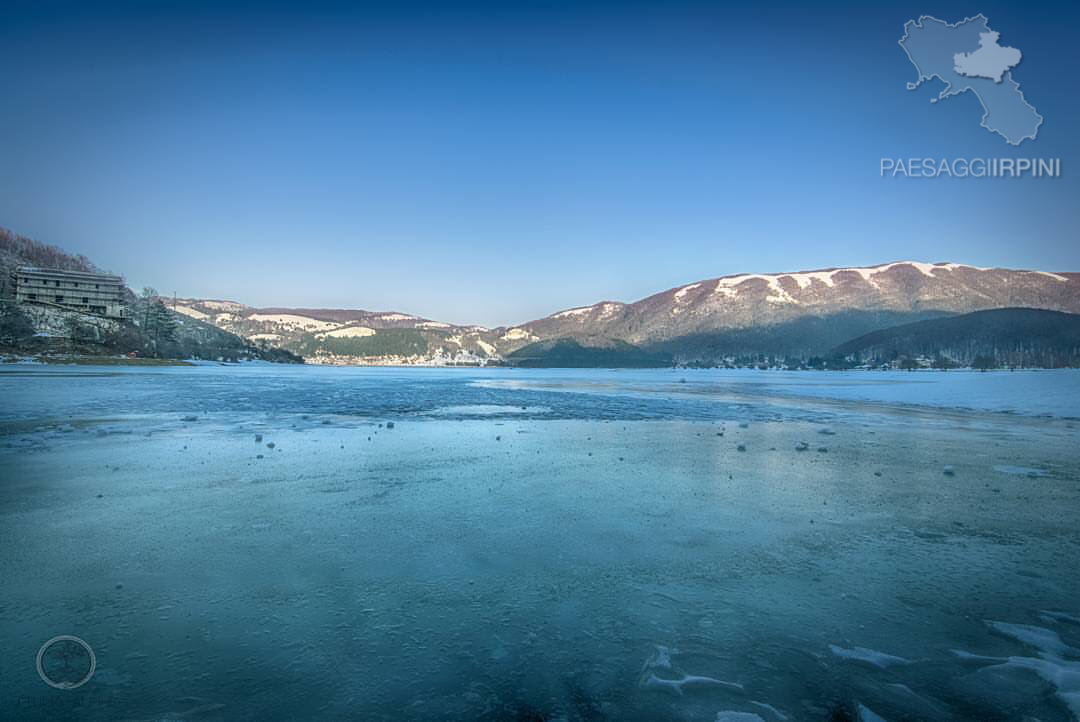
{"x": 161, "y": 325}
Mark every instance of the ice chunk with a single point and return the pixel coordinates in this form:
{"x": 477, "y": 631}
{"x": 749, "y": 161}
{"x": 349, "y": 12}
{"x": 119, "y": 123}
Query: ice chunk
{"x": 687, "y": 680}
{"x": 1045, "y": 640}
{"x": 870, "y": 656}
{"x": 917, "y": 706}
{"x": 867, "y": 715}
{"x": 1064, "y": 675}
{"x": 661, "y": 660}
{"x": 1052, "y": 617}
{"x": 769, "y": 708}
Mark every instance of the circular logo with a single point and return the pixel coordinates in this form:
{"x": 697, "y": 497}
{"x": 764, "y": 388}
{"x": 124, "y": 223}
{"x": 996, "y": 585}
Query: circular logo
{"x": 66, "y": 662}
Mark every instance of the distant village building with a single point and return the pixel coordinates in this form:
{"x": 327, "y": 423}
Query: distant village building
{"x": 86, "y": 292}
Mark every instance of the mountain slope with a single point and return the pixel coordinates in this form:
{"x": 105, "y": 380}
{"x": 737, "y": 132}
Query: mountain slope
{"x": 1009, "y": 336}
{"x": 757, "y": 300}
{"x": 568, "y": 353}
{"x": 334, "y": 335}
{"x": 801, "y": 338}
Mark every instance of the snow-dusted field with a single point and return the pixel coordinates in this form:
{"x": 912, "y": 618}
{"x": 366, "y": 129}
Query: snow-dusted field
{"x": 541, "y": 544}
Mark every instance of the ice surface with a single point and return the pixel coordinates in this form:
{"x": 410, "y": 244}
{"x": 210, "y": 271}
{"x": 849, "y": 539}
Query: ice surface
{"x": 1036, "y": 393}
{"x": 610, "y": 556}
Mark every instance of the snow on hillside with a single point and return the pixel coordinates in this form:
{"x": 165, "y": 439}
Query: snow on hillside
{"x": 289, "y": 319}
{"x": 192, "y": 312}
{"x": 348, "y": 332}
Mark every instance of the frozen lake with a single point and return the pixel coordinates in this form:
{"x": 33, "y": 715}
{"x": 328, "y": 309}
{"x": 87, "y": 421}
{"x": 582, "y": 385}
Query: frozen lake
{"x": 543, "y": 544}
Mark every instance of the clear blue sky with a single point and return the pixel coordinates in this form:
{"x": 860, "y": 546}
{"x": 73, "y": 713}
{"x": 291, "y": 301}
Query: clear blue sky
{"x": 494, "y": 162}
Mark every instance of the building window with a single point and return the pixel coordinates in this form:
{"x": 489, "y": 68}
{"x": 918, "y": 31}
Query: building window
{"x": 59, "y": 299}
{"x": 57, "y": 283}
{"x": 85, "y": 299}
{"x": 32, "y": 296}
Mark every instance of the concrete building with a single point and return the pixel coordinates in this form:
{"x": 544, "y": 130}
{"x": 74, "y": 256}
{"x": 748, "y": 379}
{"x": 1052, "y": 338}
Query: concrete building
{"x": 87, "y": 292}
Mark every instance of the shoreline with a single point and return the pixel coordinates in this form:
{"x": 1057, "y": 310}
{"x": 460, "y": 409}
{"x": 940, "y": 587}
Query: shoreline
{"x": 82, "y": 360}
{"x": 94, "y": 361}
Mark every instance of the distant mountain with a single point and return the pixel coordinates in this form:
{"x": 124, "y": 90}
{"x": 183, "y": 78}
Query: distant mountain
{"x": 907, "y": 308}
{"x": 741, "y": 318}
{"x": 766, "y": 300}
{"x": 799, "y": 314}
{"x": 1008, "y": 337}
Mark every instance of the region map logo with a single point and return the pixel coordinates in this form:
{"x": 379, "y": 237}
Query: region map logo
{"x": 966, "y": 56}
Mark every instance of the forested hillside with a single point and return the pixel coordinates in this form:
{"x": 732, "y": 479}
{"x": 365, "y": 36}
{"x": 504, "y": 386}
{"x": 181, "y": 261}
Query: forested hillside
{"x": 1018, "y": 337}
